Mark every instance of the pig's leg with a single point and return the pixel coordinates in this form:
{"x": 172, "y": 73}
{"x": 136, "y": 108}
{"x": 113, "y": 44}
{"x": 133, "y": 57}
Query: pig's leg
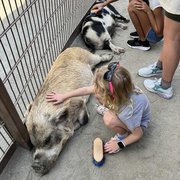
{"x": 82, "y": 118}
{"x": 96, "y": 59}
{"x": 27, "y": 112}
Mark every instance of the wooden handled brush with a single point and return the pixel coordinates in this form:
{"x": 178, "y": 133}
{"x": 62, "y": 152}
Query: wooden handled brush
{"x": 98, "y": 152}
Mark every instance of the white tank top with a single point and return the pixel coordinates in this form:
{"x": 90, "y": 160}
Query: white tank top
{"x": 153, "y": 4}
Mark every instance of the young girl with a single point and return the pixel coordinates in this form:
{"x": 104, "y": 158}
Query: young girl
{"x": 125, "y": 109}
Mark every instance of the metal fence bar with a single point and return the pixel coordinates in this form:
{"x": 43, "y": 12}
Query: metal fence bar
{"x": 32, "y": 34}
{"x": 7, "y": 147}
{"x": 31, "y": 37}
{"x": 11, "y": 119}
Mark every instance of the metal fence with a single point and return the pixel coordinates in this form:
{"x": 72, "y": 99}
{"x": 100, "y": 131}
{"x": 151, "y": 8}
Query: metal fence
{"x": 32, "y": 34}
{"x": 6, "y": 140}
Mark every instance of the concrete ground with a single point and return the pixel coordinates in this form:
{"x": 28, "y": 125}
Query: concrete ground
{"x": 155, "y": 157}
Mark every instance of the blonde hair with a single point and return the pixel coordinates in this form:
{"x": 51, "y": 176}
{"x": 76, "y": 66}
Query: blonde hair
{"x": 122, "y": 87}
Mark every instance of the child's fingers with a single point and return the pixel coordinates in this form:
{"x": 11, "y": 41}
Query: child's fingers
{"x": 49, "y": 97}
{"x": 51, "y": 93}
{"x": 57, "y": 102}
{"x": 109, "y": 150}
{"x": 51, "y": 100}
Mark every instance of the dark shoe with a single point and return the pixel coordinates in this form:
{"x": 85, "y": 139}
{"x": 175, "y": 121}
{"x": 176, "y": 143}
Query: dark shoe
{"x": 138, "y": 44}
{"x": 134, "y": 35}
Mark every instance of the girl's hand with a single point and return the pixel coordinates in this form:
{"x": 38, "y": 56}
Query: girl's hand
{"x": 54, "y": 97}
{"x": 111, "y": 146}
{"x": 141, "y": 6}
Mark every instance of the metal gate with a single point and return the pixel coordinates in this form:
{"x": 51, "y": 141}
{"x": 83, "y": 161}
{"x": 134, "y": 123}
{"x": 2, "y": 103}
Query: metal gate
{"x": 32, "y": 34}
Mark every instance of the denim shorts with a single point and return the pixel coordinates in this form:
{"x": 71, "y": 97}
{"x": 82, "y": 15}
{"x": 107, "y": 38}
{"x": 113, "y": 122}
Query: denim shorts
{"x": 152, "y": 37}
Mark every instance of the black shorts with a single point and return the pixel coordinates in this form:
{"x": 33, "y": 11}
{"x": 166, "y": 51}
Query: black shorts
{"x": 174, "y": 17}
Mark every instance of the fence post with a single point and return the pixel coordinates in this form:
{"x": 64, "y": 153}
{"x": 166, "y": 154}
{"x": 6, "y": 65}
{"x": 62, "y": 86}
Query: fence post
{"x": 12, "y": 120}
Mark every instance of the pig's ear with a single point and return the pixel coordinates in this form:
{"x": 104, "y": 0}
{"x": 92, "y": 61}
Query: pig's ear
{"x": 27, "y": 112}
{"x": 60, "y": 117}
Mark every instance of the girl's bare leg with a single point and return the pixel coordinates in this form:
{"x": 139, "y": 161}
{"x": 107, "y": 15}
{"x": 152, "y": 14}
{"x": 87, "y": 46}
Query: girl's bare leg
{"x": 112, "y": 122}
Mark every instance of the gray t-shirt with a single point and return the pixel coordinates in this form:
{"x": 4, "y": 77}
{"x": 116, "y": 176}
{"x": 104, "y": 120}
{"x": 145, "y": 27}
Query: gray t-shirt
{"x": 137, "y": 113}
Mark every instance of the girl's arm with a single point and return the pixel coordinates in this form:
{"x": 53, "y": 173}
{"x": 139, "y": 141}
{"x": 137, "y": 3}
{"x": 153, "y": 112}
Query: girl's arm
{"x": 133, "y": 137}
{"x": 57, "y": 98}
{"x": 112, "y": 146}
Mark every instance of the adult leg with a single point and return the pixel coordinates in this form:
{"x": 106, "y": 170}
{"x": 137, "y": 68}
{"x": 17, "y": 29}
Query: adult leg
{"x": 170, "y": 56}
{"x": 151, "y": 70}
{"x": 170, "y": 51}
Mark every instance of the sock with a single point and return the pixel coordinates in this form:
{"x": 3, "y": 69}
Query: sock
{"x": 122, "y": 136}
{"x": 159, "y": 64}
{"x": 165, "y": 84}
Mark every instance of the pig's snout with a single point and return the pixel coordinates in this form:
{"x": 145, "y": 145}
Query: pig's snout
{"x": 40, "y": 165}
{"x": 40, "y": 168}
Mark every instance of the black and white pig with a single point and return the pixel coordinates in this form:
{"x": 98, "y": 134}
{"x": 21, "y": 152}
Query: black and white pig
{"x": 98, "y": 29}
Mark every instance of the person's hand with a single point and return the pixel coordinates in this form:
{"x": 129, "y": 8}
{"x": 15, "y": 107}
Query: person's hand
{"x": 111, "y": 146}
{"x": 97, "y": 7}
{"x": 141, "y": 6}
{"x": 54, "y": 97}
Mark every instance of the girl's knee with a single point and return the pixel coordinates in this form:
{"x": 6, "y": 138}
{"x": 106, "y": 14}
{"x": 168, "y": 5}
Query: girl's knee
{"x": 107, "y": 118}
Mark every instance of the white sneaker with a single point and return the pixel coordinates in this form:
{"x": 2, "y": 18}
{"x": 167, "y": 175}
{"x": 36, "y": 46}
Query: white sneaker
{"x": 150, "y": 71}
{"x": 101, "y": 109}
{"x": 155, "y": 87}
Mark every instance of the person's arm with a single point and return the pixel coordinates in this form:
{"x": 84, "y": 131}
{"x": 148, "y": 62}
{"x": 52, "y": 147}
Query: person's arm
{"x": 112, "y": 146}
{"x": 135, "y": 135}
{"x": 57, "y": 98}
{"x": 109, "y": 1}
{"x": 155, "y": 16}
{"x": 97, "y": 7}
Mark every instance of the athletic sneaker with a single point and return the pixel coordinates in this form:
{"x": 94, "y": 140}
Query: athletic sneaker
{"x": 150, "y": 71}
{"x": 155, "y": 87}
{"x": 134, "y": 35}
{"x": 101, "y": 109}
{"x": 138, "y": 44}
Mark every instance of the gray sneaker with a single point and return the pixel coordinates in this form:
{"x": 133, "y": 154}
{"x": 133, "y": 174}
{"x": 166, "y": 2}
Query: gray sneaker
{"x": 150, "y": 71}
{"x": 155, "y": 87}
